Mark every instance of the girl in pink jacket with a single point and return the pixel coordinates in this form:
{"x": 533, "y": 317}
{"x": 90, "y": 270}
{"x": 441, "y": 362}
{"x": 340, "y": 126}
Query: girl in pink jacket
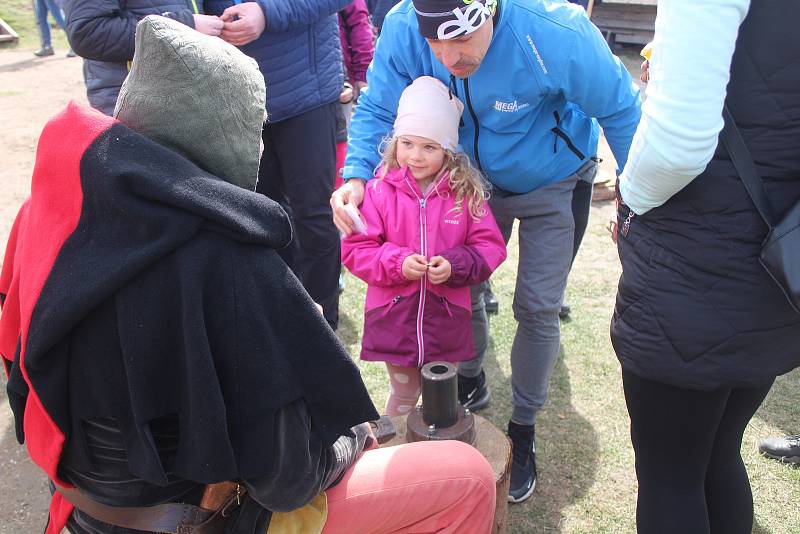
{"x": 429, "y": 236}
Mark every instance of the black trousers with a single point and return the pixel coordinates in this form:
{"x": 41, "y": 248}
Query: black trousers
{"x": 581, "y": 205}
{"x": 688, "y": 456}
{"x": 297, "y": 171}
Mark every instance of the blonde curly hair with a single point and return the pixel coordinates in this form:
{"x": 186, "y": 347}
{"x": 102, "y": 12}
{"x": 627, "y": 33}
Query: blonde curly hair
{"x": 466, "y": 182}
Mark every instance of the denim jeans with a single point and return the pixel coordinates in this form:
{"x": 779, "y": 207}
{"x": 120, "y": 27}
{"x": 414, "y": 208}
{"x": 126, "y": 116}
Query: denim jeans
{"x": 42, "y": 7}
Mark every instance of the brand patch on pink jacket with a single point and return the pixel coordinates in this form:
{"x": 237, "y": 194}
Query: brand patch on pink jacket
{"x": 407, "y": 322}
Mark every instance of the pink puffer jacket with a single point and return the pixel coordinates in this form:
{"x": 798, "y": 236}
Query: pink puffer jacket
{"x": 406, "y": 322}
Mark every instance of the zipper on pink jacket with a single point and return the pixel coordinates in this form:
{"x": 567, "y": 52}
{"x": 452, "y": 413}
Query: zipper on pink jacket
{"x": 423, "y": 246}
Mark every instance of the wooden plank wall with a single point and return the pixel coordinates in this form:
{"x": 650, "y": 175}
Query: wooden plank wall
{"x": 626, "y": 22}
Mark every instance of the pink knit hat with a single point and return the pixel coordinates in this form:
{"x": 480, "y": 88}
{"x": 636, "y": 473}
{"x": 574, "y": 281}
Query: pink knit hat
{"x": 427, "y": 109}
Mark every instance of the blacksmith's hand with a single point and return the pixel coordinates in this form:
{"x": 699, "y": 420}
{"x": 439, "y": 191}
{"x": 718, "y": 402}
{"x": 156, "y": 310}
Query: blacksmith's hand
{"x": 244, "y": 23}
{"x": 352, "y": 192}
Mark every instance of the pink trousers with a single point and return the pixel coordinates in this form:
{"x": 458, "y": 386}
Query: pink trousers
{"x": 444, "y": 486}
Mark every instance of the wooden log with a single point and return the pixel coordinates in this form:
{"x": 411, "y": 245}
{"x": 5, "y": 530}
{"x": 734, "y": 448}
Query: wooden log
{"x": 495, "y": 447}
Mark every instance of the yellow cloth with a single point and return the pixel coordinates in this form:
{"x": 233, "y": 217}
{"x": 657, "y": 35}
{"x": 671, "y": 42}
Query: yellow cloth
{"x": 647, "y": 51}
{"x": 306, "y": 520}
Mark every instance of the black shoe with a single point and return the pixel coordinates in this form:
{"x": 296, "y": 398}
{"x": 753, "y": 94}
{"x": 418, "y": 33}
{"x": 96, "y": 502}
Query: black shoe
{"x": 473, "y": 393}
{"x": 340, "y": 288}
{"x": 785, "y": 449}
{"x": 44, "y": 51}
{"x": 490, "y": 300}
{"x": 564, "y": 312}
{"x": 523, "y": 466}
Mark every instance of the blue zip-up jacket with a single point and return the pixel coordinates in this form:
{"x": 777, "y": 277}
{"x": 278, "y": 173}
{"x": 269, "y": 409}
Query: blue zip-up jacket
{"x": 102, "y": 33}
{"x": 298, "y": 53}
{"x": 528, "y": 111}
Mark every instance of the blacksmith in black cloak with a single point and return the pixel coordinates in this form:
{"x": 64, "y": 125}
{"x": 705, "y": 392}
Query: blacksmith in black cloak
{"x": 153, "y": 339}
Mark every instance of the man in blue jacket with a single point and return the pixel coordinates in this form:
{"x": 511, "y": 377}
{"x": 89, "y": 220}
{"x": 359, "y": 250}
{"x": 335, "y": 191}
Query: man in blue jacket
{"x": 296, "y": 46}
{"x": 536, "y": 78}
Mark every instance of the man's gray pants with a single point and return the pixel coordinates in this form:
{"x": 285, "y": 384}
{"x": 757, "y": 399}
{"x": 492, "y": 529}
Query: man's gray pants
{"x": 546, "y": 231}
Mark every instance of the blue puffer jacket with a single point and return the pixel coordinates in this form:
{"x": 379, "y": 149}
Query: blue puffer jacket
{"x": 528, "y": 110}
{"x": 298, "y": 53}
{"x": 102, "y": 32}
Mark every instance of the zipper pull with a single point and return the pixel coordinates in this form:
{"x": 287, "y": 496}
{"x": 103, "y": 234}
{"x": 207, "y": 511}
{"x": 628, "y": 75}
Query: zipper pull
{"x": 422, "y": 203}
{"x": 626, "y": 226}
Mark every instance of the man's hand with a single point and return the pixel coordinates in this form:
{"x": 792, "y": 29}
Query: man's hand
{"x": 645, "y": 75}
{"x": 439, "y": 270}
{"x": 352, "y": 192}
{"x": 414, "y": 267}
{"x": 357, "y": 88}
{"x": 347, "y": 94}
{"x": 208, "y": 24}
{"x": 244, "y": 23}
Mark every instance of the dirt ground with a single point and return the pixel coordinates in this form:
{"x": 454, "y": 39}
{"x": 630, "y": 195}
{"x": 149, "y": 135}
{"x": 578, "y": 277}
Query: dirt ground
{"x": 31, "y": 91}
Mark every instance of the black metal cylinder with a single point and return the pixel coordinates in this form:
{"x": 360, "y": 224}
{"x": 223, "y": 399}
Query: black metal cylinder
{"x": 439, "y": 394}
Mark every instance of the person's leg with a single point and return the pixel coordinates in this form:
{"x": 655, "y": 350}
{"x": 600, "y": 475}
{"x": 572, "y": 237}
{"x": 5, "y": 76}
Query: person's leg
{"x": 58, "y": 15}
{"x": 40, "y": 6}
{"x": 306, "y": 149}
{"x": 271, "y": 183}
{"x": 728, "y": 495}
{"x": 480, "y": 322}
{"x": 545, "y": 251}
{"x": 473, "y": 392}
{"x": 444, "y": 486}
{"x": 673, "y": 432}
{"x": 404, "y": 389}
{"x": 581, "y": 205}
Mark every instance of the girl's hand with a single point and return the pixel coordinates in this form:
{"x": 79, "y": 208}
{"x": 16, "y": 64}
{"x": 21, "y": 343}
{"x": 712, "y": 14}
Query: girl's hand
{"x": 439, "y": 270}
{"x": 414, "y": 267}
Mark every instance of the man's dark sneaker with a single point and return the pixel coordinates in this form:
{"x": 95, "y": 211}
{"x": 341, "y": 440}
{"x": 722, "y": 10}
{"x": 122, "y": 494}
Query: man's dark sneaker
{"x": 523, "y": 465}
{"x": 44, "y": 51}
{"x": 473, "y": 392}
{"x": 785, "y": 449}
{"x": 564, "y": 312}
{"x": 490, "y": 300}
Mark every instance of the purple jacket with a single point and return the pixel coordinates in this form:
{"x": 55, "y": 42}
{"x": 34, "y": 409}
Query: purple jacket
{"x": 355, "y": 32}
{"x": 410, "y": 323}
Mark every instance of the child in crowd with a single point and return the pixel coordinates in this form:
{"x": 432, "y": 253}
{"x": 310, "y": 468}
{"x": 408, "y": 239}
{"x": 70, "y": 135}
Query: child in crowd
{"x": 429, "y": 236}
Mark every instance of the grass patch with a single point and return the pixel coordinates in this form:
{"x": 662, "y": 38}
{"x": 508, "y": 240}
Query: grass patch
{"x": 587, "y": 482}
{"x": 19, "y": 14}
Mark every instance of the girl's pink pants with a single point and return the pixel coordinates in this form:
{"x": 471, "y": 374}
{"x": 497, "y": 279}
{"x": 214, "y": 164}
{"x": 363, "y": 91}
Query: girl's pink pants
{"x": 432, "y": 486}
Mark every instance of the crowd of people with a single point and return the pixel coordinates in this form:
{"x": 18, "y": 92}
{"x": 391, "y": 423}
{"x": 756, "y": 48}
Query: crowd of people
{"x": 183, "y": 265}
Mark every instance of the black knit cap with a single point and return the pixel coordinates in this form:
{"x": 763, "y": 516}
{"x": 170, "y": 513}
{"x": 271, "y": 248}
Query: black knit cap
{"x": 448, "y": 19}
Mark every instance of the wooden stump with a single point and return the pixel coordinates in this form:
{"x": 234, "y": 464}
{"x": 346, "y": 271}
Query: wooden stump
{"x": 495, "y": 447}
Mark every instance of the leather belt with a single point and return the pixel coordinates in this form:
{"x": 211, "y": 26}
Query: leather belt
{"x": 171, "y": 518}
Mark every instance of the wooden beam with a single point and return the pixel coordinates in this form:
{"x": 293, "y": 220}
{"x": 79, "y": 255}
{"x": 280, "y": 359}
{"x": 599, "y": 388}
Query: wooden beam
{"x": 7, "y": 33}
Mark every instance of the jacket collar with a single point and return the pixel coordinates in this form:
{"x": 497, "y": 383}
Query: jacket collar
{"x": 403, "y": 180}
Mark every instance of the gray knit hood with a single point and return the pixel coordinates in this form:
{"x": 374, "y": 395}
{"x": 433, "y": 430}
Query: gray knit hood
{"x": 197, "y": 95}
